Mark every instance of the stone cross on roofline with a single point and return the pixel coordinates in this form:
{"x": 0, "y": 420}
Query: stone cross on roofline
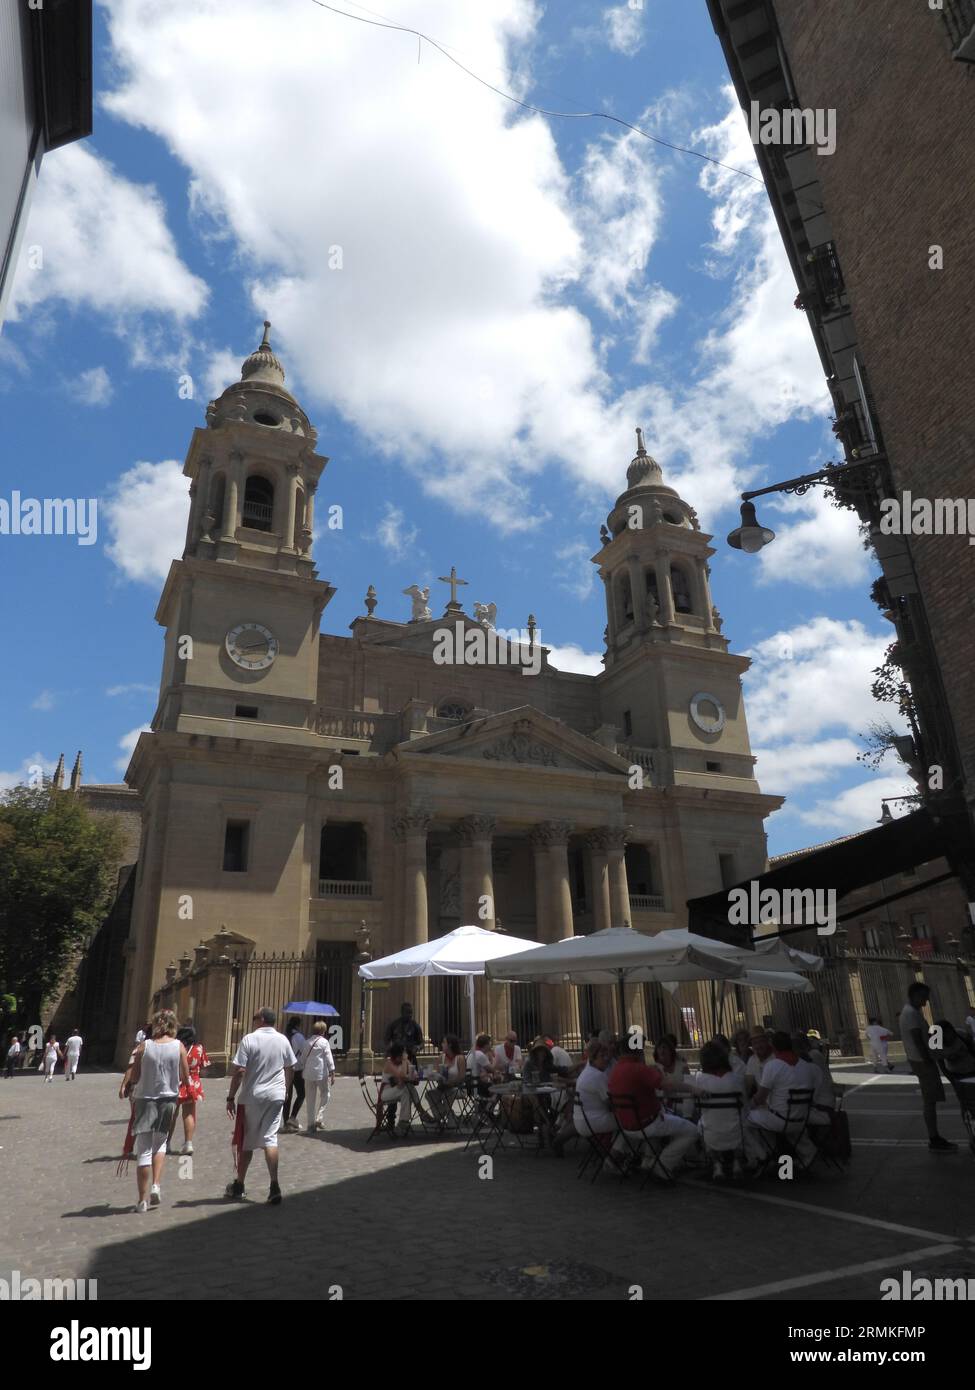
{"x": 453, "y": 606}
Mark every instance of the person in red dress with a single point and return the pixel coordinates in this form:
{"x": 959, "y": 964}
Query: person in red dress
{"x": 189, "y": 1094}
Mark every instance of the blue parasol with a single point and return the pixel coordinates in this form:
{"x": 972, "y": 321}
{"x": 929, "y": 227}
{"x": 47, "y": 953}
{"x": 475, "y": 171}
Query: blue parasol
{"x": 308, "y": 1006}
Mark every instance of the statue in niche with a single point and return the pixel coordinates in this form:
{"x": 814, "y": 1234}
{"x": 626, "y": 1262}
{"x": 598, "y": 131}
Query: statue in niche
{"x": 421, "y": 613}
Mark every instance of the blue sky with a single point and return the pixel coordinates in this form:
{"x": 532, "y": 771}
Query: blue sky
{"x": 515, "y": 294}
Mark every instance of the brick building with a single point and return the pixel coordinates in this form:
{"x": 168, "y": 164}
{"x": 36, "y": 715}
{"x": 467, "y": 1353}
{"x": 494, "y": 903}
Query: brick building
{"x": 879, "y": 235}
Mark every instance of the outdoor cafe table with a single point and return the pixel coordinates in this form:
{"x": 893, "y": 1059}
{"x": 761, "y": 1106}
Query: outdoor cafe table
{"x": 493, "y": 1120}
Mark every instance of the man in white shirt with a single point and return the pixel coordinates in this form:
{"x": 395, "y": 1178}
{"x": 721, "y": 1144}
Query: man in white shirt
{"x": 592, "y": 1094}
{"x": 761, "y": 1046}
{"x": 13, "y": 1055}
{"x": 72, "y": 1053}
{"x": 914, "y": 1037}
{"x": 783, "y": 1072}
{"x": 263, "y": 1069}
{"x": 507, "y": 1055}
{"x": 878, "y": 1037}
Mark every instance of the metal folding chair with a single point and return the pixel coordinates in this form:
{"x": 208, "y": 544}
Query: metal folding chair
{"x": 779, "y": 1142}
{"x": 638, "y": 1146}
{"x": 384, "y": 1115}
{"x": 599, "y": 1145}
{"x": 716, "y": 1104}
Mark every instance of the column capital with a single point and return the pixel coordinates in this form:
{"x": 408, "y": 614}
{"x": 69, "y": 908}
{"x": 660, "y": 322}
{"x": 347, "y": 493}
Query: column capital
{"x": 472, "y": 828}
{"x": 413, "y": 822}
{"x": 615, "y": 837}
{"x": 549, "y": 833}
{"x": 597, "y": 841}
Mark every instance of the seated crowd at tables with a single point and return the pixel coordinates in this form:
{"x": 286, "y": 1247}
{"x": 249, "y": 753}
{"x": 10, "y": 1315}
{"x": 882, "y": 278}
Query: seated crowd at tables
{"x": 615, "y": 1088}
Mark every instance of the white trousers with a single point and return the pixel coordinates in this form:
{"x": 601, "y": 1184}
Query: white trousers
{"x": 879, "y": 1051}
{"x": 49, "y": 1064}
{"x": 316, "y": 1099}
{"x": 681, "y": 1135}
{"x": 762, "y": 1118}
{"x": 402, "y": 1098}
{"x": 71, "y": 1064}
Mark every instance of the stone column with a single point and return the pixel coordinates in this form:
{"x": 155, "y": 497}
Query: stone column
{"x": 550, "y": 840}
{"x": 612, "y": 621}
{"x": 232, "y": 500}
{"x": 477, "y": 897}
{"x": 619, "y": 897}
{"x": 599, "y": 870}
{"x": 292, "y": 512}
{"x": 410, "y": 828}
{"x": 664, "y": 592}
{"x": 476, "y": 877}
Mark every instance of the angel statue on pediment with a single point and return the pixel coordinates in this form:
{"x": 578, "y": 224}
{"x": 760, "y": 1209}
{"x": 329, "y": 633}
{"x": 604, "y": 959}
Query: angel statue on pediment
{"x": 485, "y": 613}
{"x": 421, "y": 613}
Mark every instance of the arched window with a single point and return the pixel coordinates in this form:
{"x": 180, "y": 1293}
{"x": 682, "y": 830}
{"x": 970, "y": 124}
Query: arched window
{"x": 258, "y": 503}
{"x": 681, "y": 587}
{"x": 626, "y": 599}
{"x": 652, "y": 589}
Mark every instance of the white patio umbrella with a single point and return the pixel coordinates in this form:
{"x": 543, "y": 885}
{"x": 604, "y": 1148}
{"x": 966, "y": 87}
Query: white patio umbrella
{"x": 616, "y": 956}
{"x": 463, "y": 951}
{"x": 771, "y": 955}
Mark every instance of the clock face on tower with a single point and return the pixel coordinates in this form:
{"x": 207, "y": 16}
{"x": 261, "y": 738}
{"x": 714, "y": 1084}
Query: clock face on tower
{"x": 251, "y": 646}
{"x": 707, "y": 712}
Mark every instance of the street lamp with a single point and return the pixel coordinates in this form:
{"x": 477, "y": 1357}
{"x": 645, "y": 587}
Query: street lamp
{"x": 751, "y": 536}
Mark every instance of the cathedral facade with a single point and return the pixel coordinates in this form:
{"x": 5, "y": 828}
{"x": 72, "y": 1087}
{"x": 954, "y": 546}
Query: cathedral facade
{"x": 304, "y": 791}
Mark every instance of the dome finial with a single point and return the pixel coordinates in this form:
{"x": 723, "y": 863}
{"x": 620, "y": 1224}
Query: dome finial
{"x": 640, "y": 446}
{"x": 266, "y": 341}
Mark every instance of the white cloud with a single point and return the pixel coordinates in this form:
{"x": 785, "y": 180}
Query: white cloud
{"x": 104, "y": 243}
{"x": 392, "y": 533}
{"x": 795, "y": 764}
{"x": 858, "y": 807}
{"x": 146, "y": 512}
{"x": 127, "y": 744}
{"x": 624, "y": 28}
{"x": 44, "y": 701}
{"x": 822, "y": 550}
{"x": 93, "y": 387}
{"x": 576, "y": 573}
{"x": 222, "y": 368}
{"x": 574, "y": 658}
{"x": 134, "y": 688}
{"x": 813, "y": 679}
{"x": 30, "y": 772}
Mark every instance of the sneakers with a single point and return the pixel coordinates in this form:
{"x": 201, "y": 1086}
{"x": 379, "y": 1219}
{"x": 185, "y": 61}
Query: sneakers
{"x": 274, "y": 1195}
{"x": 234, "y": 1190}
{"x": 141, "y": 1207}
{"x": 155, "y": 1195}
{"x": 186, "y": 1149}
{"x": 938, "y": 1145}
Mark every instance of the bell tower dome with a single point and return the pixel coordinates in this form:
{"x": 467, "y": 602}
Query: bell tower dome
{"x": 254, "y": 473}
{"x": 653, "y": 563}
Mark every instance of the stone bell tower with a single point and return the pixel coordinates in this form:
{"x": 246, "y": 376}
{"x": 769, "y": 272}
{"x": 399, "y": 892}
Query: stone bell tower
{"x": 670, "y": 685}
{"x": 242, "y": 607}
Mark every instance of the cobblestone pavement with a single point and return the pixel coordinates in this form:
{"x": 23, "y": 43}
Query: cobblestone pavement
{"x": 417, "y": 1219}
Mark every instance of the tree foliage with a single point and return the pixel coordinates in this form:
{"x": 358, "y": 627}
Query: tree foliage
{"x": 58, "y": 867}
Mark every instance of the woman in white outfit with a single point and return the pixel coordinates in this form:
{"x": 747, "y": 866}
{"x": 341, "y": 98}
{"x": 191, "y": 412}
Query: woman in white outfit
{"x": 317, "y": 1067}
{"x": 52, "y": 1053}
{"x": 158, "y": 1069}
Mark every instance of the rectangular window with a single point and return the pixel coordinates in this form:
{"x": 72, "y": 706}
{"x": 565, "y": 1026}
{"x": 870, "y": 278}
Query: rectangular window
{"x": 627, "y": 724}
{"x": 245, "y": 711}
{"x": 235, "y": 846}
{"x": 872, "y": 938}
{"x": 712, "y": 767}
{"x": 726, "y": 864}
{"x": 919, "y": 926}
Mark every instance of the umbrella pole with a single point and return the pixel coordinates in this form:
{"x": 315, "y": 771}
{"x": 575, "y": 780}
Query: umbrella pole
{"x": 470, "y": 1004}
{"x": 622, "y": 989}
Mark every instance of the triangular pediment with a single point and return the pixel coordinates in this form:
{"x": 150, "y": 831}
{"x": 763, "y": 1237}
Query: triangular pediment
{"x": 523, "y": 737}
{"x": 454, "y": 639}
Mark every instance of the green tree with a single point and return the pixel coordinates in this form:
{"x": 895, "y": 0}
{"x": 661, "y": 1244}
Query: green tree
{"x": 58, "y": 867}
